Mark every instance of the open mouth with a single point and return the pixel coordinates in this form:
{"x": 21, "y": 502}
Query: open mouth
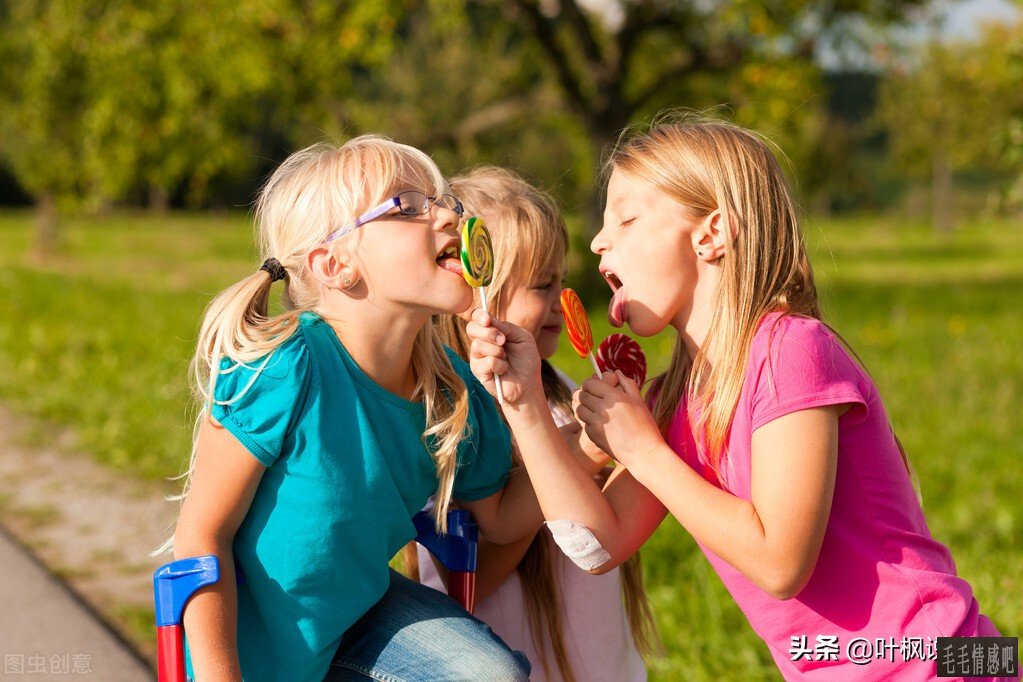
{"x": 450, "y": 259}
{"x": 618, "y": 308}
{"x": 612, "y": 280}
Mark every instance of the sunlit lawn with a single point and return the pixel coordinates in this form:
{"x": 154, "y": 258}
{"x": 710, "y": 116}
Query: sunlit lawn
{"x": 98, "y": 340}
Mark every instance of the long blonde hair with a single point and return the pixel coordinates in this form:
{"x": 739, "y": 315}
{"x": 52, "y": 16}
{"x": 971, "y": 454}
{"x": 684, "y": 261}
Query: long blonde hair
{"x": 530, "y": 239}
{"x": 706, "y": 165}
{"x": 313, "y": 193}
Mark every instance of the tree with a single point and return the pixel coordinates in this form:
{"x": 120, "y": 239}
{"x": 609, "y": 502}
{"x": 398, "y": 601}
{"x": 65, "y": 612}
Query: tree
{"x": 43, "y": 62}
{"x": 103, "y": 100}
{"x": 642, "y": 55}
{"x": 946, "y": 110}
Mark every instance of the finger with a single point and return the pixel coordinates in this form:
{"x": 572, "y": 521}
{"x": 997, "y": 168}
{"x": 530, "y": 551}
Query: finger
{"x": 591, "y": 402}
{"x": 481, "y": 317}
{"x": 610, "y": 378}
{"x": 491, "y": 334}
{"x": 597, "y": 387}
{"x": 484, "y": 349}
{"x": 499, "y": 366}
{"x": 586, "y": 415}
{"x": 489, "y": 367}
{"x": 629, "y": 385}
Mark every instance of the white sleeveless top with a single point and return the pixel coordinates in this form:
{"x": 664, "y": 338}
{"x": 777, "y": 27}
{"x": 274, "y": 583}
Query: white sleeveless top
{"x": 595, "y": 628}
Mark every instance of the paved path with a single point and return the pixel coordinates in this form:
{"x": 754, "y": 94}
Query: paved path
{"x": 47, "y": 633}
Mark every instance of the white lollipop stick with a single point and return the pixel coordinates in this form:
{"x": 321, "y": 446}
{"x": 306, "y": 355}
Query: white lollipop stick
{"x": 497, "y": 378}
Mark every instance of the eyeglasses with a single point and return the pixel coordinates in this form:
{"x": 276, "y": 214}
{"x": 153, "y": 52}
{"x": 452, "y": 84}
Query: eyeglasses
{"x": 409, "y": 204}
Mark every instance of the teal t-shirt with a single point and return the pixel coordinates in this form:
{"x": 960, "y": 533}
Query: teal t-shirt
{"x": 346, "y": 470}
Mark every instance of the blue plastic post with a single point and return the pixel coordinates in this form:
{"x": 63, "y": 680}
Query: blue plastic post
{"x": 456, "y": 550}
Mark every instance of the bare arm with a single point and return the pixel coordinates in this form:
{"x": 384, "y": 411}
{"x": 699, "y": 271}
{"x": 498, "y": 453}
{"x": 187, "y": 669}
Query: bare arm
{"x": 624, "y": 516}
{"x": 496, "y": 563}
{"x": 773, "y": 539}
{"x": 511, "y": 513}
{"x": 223, "y": 484}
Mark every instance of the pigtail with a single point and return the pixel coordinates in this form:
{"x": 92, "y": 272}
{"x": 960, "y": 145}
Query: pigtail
{"x": 235, "y": 325}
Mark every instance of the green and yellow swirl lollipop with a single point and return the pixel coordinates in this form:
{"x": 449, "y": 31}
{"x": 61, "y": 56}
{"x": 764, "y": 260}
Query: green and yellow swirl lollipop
{"x": 478, "y": 266}
{"x": 477, "y": 254}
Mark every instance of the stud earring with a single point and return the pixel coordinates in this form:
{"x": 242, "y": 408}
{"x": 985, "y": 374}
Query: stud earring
{"x": 699, "y": 253}
{"x": 347, "y": 281}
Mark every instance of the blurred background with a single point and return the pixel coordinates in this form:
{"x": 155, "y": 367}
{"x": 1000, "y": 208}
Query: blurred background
{"x": 134, "y": 136}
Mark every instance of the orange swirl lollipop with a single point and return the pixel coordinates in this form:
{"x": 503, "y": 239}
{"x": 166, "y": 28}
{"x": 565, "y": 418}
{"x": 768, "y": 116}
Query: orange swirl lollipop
{"x": 578, "y": 325}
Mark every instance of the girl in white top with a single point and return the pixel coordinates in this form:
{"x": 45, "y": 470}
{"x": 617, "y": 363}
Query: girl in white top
{"x": 571, "y": 625}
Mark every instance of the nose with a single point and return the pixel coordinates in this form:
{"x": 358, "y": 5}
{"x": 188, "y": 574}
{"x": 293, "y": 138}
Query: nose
{"x": 600, "y": 243}
{"x": 445, "y": 219}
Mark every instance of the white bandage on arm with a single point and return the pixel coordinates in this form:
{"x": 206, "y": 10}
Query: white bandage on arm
{"x": 579, "y": 544}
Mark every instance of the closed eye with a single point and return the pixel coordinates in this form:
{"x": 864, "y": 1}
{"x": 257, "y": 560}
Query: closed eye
{"x": 544, "y": 286}
{"x": 627, "y": 222}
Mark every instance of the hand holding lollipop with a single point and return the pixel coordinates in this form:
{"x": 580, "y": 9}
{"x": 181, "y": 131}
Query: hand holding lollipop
{"x": 478, "y": 266}
{"x": 622, "y": 353}
{"x": 578, "y": 325}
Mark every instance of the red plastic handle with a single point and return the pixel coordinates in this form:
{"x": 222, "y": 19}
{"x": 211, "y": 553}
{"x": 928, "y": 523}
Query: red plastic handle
{"x": 462, "y": 588}
{"x": 170, "y": 654}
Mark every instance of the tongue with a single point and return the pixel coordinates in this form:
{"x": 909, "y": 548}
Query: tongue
{"x": 451, "y": 265}
{"x": 617, "y": 310}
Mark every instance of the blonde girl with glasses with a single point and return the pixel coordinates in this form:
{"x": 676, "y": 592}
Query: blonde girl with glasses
{"x": 324, "y": 428}
{"x": 767, "y": 440}
{"x": 570, "y": 624}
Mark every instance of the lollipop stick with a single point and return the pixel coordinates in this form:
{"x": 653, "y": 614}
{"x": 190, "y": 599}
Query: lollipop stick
{"x": 497, "y": 379}
{"x": 596, "y": 367}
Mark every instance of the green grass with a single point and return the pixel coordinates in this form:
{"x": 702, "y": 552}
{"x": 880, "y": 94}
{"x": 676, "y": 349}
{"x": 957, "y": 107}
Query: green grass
{"x": 98, "y": 340}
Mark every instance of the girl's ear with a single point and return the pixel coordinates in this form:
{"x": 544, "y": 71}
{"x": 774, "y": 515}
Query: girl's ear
{"x": 711, "y": 235}
{"x": 333, "y": 267}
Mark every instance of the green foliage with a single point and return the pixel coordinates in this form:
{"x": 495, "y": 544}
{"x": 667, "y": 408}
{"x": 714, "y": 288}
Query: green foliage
{"x": 105, "y": 100}
{"x": 44, "y": 68}
{"x": 961, "y": 102}
{"x": 115, "y": 101}
{"x": 174, "y": 99}
{"x": 948, "y": 102}
{"x": 98, "y": 342}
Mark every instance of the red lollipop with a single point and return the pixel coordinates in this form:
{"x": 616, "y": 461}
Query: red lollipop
{"x": 620, "y": 352}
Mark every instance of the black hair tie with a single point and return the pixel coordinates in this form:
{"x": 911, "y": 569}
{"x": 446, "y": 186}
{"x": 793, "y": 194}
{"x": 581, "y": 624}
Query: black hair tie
{"x": 274, "y": 268}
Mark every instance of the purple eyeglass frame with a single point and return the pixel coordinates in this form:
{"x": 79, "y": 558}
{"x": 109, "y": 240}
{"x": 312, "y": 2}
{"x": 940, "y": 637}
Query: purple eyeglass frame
{"x": 393, "y": 202}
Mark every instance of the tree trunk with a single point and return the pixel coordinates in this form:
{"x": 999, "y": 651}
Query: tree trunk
{"x": 942, "y": 204}
{"x": 47, "y": 225}
{"x": 159, "y": 200}
{"x": 820, "y": 203}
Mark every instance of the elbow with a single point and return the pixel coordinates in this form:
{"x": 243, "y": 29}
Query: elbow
{"x": 785, "y": 582}
{"x": 613, "y": 562}
{"x": 499, "y": 536}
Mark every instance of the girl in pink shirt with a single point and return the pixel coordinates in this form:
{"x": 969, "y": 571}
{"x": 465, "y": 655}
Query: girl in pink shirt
{"x": 765, "y": 438}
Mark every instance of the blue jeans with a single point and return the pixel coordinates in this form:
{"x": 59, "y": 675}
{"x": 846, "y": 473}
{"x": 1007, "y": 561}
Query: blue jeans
{"x": 415, "y": 633}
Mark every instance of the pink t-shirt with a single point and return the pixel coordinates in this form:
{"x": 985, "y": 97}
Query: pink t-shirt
{"x": 880, "y": 575}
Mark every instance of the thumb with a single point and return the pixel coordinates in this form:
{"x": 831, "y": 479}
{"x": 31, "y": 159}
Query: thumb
{"x": 629, "y": 385}
{"x": 612, "y": 379}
